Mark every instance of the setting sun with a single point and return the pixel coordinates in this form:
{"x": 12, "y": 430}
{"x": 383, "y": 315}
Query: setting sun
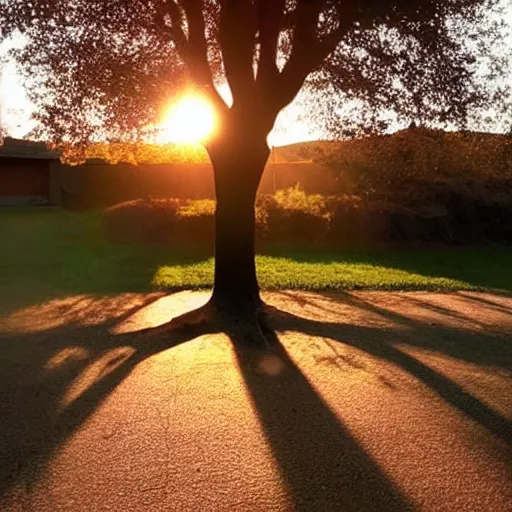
{"x": 189, "y": 121}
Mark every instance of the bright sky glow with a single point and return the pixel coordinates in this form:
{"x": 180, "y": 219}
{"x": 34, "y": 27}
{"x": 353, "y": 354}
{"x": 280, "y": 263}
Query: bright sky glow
{"x": 15, "y": 108}
{"x": 190, "y": 120}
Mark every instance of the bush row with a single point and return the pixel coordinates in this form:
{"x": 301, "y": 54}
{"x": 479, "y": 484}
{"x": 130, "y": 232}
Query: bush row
{"x": 293, "y": 217}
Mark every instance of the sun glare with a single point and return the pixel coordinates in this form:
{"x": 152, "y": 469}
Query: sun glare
{"x": 190, "y": 121}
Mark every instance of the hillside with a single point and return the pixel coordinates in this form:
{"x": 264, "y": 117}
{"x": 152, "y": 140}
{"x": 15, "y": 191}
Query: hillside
{"x": 411, "y": 140}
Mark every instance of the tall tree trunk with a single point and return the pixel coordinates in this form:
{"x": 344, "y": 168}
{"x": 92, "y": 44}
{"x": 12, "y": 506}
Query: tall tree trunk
{"x": 238, "y": 164}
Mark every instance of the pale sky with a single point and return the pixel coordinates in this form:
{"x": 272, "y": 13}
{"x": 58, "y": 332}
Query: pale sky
{"x": 16, "y": 110}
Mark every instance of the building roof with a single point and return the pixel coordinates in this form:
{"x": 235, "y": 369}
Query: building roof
{"x": 20, "y": 148}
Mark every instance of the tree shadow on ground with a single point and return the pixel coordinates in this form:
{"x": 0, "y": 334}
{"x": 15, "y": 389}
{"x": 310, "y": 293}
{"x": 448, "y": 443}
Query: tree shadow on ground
{"x": 37, "y": 420}
{"x": 328, "y": 466}
{"x": 495, "y": 304}
{"x": 485, "y": 348}
{"x": 322, "y": 464}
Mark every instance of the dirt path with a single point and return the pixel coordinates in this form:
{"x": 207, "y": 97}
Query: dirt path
{"x": 376, "y": 401}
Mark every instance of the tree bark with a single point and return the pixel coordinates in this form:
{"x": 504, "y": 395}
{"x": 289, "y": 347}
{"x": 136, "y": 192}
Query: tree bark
{"x": 238, "y": 162}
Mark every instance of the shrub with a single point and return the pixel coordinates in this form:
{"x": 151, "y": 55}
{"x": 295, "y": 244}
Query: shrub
{"x": 196, "y": 223}
{"x": 197, "y": 207}
{"x": 348, "y": 223}
{"x": 291, "y": 215}
{"x": 459, "y": 215}
{"x": 143, "y": 220}
{"x": 295, "y": 199}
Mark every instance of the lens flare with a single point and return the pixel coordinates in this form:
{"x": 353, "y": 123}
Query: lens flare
{"x": 190, "y": 121}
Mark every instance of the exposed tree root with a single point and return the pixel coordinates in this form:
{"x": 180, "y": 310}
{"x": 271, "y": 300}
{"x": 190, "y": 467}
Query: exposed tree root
{"x": 242, "y": 323}
{"x": 247, "y": 325}
{"x": 203, "y": 320}
{"x": 205, "y": 315}
{"x": 251, "y": 329}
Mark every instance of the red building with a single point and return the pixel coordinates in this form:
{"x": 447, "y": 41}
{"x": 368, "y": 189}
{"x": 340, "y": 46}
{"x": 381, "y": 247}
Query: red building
{"x": 28, "y": 173}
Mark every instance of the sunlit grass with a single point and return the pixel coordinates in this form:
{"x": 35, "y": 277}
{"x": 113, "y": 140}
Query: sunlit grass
{"x": 280, "y": 272}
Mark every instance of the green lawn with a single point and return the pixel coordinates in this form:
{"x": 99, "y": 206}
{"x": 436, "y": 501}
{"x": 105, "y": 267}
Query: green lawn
{"x": 48, "y": 252}
{"x": 427, "y": 269}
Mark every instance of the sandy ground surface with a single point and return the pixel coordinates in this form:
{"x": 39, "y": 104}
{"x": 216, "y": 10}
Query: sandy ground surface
{"x": 373, "y": 401}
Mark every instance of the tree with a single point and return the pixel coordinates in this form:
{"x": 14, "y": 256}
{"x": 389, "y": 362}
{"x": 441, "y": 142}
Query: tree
{"x": 102, "y": 68}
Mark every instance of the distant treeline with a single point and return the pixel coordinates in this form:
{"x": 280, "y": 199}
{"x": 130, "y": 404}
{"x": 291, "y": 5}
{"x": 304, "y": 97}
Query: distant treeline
{"x": 409, "y": 168}
{"x": 413, "y": 165}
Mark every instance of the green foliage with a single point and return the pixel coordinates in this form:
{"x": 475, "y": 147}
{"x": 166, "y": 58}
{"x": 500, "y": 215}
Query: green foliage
{"x": 135, "y": 153}
{"x": 458, "y": 215}
{"x": 57, "y": 253}
{"x": 295, "y": 199}
{"x": 197, "y": 208}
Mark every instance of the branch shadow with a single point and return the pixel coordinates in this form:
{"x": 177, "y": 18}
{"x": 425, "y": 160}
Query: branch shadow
{"x": 379, "y": 343}
{"x": 35, "y": 422}
{"x": 481, "y": 348}
{"x": 322, "y": 464}
{"x": 478, "y": 299}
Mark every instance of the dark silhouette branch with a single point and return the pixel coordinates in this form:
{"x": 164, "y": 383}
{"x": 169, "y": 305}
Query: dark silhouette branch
{"x": 193, "y": 50}
{"x": 309, "y": 49}
{"x": 270, "y": 22}
{"x": 237, "y": 37}
{"x": 198, "y": 49}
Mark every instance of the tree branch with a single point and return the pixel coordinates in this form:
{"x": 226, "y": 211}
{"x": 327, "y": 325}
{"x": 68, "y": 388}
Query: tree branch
{"x": 306, "y": 25}
{"x": 238, "y": 26}
{"x": 270, "y": 21}
{"x": 192, "y": 50}
{"x": 196, "y": 38}
{"x": 287, "y": 84}
{"x": 309, "y": 51}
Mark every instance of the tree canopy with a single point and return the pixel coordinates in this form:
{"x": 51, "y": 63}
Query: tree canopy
{"x": 98, "y": 69}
